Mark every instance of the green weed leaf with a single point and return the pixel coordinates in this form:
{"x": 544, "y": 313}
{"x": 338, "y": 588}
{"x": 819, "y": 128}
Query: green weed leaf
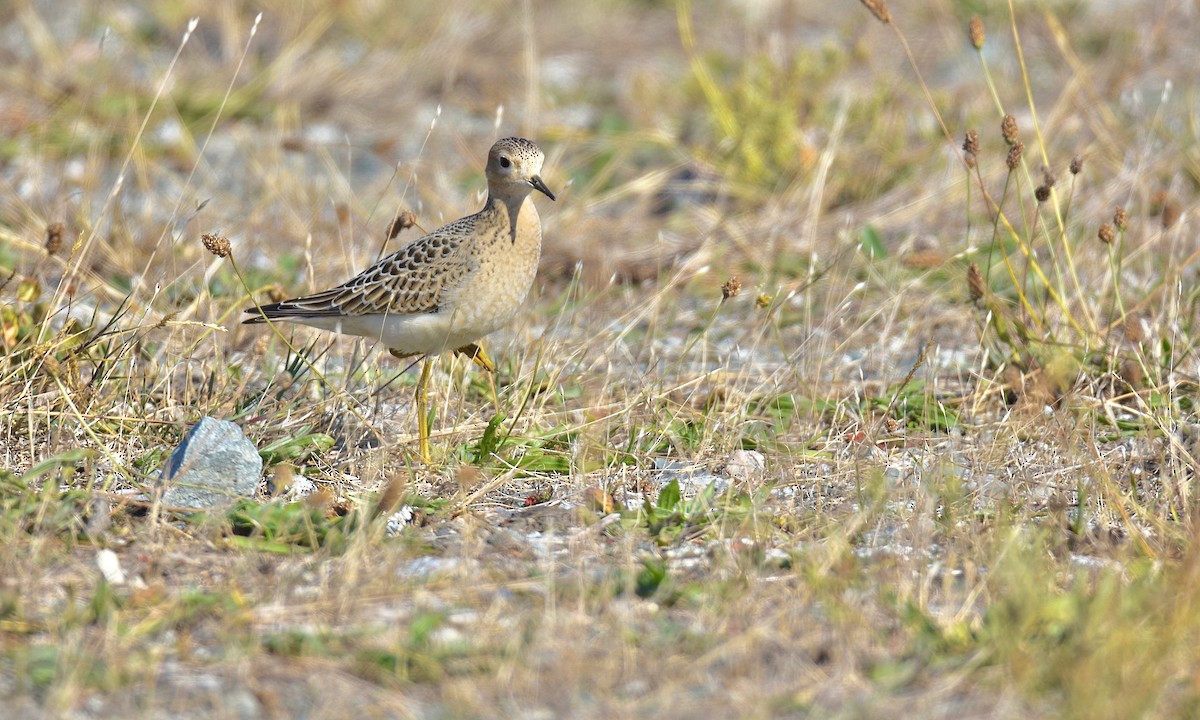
{"x": 490, "y": 442}
{"x": 296, "y": 449}
{"x": 668, "y": 498}
{"x": 871, "y": 243}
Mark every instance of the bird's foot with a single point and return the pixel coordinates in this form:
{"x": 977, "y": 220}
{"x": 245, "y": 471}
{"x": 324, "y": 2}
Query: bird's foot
{"x": 476, "y": 353}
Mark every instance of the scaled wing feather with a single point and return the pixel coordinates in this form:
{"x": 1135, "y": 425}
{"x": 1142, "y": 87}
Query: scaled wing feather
{"x": 407, "y": 282}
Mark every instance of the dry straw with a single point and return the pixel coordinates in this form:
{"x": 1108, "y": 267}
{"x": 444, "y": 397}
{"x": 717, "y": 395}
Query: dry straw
{"x": 1014, "y": 155}
{"x": 731, "y": 289}
{"x": 1107, "y": 235}
{"x": 971, "y": 142}
{"x": 54, "y": 237}
{"x": 1009, "y": 130}
{"x": 879, "y": 9}
{"x": 975, "y": 32}
{"x": 403, "y": 221}
{"x": 975, "y": 283}
{"x": 1121, "y": 218}
{"x": 1042, "y": 193}
{"x": 1049, "y": 179}
{"x": 217, "y": 244}
{"x": 971, "y": 148}
{"x": 1170, "y": 214}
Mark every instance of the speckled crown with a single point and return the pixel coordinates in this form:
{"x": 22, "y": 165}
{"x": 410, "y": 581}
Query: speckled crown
{"x": 518, "y": 147}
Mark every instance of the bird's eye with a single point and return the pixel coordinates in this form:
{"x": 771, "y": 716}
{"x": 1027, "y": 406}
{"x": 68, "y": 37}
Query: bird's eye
{"x": 504, "y": 162}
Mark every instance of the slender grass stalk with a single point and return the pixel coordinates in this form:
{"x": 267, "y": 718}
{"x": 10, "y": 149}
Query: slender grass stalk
{"x": 1041, "y": 142}
{"x": 341, "y": 394}
{"x": 82, "y": 246}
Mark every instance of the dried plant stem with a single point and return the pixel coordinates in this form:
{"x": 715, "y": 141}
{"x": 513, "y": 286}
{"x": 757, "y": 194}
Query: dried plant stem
{"x": 999, "y": 214}
{"x": 1041, "y": 142}
{"x": 912, "y": 62}
{"x": 217, "y": 116}
{"x": 1114, "y": 265}
{"x": 304, "y": 358}
{"x": 991, "y": 85}
{"x": 79, "y": 251}
{"x": 1058, "y": 213}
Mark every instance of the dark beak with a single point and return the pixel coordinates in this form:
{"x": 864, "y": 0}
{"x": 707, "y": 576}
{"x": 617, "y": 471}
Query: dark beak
{"x": 540, "y": 186}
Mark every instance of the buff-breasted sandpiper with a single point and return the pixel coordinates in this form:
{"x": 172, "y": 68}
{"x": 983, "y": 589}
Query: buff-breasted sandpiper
{"x": 448, "y": 289}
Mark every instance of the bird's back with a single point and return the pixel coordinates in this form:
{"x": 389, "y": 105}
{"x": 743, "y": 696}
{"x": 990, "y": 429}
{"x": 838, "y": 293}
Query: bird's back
{"x": 451, "y": 287}
{"x": 411, "y": 280}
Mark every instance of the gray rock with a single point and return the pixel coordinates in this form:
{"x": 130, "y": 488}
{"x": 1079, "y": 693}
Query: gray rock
{"x": 214, "y": 466}
{"x": 693, "y": 479}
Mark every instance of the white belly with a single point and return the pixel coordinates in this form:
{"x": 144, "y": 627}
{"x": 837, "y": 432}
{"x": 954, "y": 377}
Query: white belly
{"x": 427, "y": 333}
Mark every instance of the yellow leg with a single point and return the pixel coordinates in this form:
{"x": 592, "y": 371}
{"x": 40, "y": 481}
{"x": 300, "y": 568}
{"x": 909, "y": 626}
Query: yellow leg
{"x": 422, "y": 403}
{"x": 477, "y": 354}
{"x": 472, "y": 351}
{"x": 481, "y": 359}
